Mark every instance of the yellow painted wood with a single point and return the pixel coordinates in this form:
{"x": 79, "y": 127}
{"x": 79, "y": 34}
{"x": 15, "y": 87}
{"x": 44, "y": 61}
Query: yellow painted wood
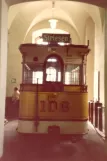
{"x": 78, "y": 105}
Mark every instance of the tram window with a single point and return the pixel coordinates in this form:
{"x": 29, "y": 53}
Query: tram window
{"x": 27, "y": 75}
{"x": 51, "y": 74}
{"x": 37, "y": 75}
{"x": 59, "y": 76}
{"x": 72, "y": 73}
{"x": 52, "y": 60}
{"x": 67, "y": 77}
{"x": 53, "y": 70}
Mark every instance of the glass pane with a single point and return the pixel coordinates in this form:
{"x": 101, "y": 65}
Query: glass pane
{"x": 52, "y": 60}
{"x": 51, "y": 74}
{"x": 59, "y": 76}
{"x": 37, "y": 75}
{"x": 72, "y": 73}
{"x": 53, "y": 70}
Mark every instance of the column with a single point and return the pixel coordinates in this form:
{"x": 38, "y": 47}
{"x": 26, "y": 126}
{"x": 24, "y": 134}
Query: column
{"x": 3, "y": 67}
{"x": 105, "y": 69}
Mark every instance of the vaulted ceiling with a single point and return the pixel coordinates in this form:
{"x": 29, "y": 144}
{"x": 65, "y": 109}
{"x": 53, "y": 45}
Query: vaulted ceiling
{"x": 101, "y": 3}
{"x": 30, "y": 16}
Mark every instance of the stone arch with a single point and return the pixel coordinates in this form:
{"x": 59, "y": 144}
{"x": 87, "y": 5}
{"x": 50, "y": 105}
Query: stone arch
{"x": 97, "y": 3}
{"x": 66, "y": 27}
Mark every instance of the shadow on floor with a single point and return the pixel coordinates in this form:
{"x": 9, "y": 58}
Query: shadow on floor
{"x": 19, "y": 147}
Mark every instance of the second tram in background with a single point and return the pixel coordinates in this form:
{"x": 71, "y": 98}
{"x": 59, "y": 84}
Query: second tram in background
{"x": 53, "y": 90}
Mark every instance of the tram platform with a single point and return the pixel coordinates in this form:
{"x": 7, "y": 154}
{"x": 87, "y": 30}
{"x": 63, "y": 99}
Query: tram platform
{"x": 29, "y": 148}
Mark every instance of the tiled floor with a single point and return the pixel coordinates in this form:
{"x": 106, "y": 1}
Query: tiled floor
{"x": 30, "y": 148}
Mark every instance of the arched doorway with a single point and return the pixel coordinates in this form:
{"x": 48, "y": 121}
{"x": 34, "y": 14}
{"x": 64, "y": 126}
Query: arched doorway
{"x": 53, "y": 69}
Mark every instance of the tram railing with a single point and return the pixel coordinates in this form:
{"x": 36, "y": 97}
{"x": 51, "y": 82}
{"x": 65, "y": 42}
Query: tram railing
{"x": 96, "y": 114}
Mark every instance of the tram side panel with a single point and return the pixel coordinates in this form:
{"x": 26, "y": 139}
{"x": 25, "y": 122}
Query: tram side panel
{"x": 68, "y": 110}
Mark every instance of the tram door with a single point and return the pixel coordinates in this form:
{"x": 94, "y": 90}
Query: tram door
{"x": 53, "y": 70}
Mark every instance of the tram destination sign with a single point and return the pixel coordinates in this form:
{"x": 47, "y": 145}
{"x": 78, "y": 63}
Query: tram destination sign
{"x": 53, "y": 38}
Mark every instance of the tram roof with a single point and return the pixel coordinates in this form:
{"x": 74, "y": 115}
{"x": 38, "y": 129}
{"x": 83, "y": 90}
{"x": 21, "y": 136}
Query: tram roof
{"x": 23, "y": 47}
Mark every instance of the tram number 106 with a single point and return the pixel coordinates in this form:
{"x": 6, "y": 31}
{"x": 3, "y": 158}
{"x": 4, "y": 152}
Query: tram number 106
{"x": 53, "y": 106}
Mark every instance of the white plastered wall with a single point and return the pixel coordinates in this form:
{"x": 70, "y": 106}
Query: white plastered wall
{"x": 90, "y": 35}
{"x": 99, "y": 65}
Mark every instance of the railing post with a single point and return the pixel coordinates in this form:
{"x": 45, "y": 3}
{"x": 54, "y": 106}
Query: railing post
{"x": 92, "y": 111}
{"x": 100, "y": 126}
{"x": 96, "y": 114}
{"x": 37, "y": 108}
{"x": 96, "y": 104}
{"x": 89, "y": 109}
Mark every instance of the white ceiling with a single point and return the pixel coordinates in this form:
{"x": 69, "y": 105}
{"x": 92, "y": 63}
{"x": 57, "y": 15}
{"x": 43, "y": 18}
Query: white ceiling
{"x": 36, "y": 14}
{"x": 101, "y": 3}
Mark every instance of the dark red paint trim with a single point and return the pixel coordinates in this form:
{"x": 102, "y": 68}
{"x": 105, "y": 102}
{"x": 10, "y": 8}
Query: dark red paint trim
{"x": 73, "y": 120}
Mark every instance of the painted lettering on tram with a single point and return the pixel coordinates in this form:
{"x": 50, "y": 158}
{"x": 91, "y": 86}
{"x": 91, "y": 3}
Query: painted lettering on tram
{"x": 52, "y": 106}
{"x": 65, "y": 106}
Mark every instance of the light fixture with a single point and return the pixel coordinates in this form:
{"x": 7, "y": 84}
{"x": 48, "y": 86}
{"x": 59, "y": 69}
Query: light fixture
{"x": 53, "y": 21}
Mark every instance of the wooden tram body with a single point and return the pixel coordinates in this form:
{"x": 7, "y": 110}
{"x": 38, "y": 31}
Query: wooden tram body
{"x": 53, "y": 90}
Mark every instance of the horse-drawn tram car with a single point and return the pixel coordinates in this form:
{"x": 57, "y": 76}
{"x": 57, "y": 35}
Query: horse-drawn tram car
{"x": 53, "y": 93}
